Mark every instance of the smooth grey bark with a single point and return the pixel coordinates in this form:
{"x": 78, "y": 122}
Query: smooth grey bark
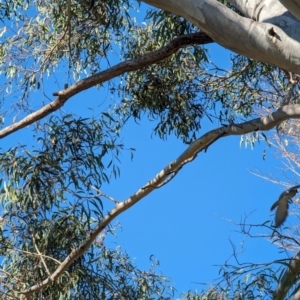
{"x": 267, "y": 41}
{"x": 270, "y": 11}
{"x": 268, "y": 32}
{"x": 293, "y": 6}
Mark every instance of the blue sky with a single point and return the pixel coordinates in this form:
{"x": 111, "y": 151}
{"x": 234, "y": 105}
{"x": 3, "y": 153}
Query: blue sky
{"x": 187, "y": 223}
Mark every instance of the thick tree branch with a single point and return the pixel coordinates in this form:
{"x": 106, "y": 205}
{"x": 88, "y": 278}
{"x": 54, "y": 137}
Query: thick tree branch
{"x": 264, "y": 42}
{"x": 117, "y": 70}
{"x": 169, "y": 172}
{"x": 270, "y": 11}
{"x": 293, "y": 6}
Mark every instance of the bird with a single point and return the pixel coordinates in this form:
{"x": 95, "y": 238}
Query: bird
{"x": 283, "y": 204}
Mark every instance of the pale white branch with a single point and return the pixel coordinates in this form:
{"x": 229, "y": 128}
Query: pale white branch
{"x": 266, "y": 42}
{"x": 293, "y": 6}
{"x": 262, "y": 123}
{"x": 103, "y": 194}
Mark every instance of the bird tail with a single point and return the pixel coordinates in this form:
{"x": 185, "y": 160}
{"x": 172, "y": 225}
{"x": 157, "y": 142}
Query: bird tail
{"x": 274, "y": 205}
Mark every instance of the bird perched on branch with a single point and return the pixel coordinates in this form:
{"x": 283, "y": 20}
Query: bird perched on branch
{"x": 283, "y": 204}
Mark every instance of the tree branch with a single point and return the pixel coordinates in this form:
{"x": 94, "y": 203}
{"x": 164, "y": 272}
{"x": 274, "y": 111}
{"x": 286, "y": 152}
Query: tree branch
{"x": 117, "y": 70}
{"x": 239, "y": 34}
{"x": 288, "y": 279}
{"x": 169, "y": 172}
{"x": 293, "y": 6}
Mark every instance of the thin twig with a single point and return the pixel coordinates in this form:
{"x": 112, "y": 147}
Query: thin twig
{"x": 40, "y": 255}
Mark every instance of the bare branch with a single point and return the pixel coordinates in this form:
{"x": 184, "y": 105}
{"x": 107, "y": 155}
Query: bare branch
{"x": 117, "y": 70}
{"x": 104, "y": 195}
{"x": 262, "y": 123}
{"x": 40, "y": 256}
{"x": 261, "y": 41}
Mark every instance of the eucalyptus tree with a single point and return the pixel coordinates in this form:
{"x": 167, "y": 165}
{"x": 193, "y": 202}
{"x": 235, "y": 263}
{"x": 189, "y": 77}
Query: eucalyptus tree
{"x": 54, "y": 216}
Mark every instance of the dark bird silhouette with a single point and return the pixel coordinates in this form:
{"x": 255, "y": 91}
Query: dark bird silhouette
{"x": 283, "y": 204}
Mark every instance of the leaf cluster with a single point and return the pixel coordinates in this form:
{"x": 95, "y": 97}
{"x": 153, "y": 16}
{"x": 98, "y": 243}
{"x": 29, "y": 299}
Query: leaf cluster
{"x": 47, "y": 35}
{"x": 179, "y": 91}
{"x": 51, "y": 200}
